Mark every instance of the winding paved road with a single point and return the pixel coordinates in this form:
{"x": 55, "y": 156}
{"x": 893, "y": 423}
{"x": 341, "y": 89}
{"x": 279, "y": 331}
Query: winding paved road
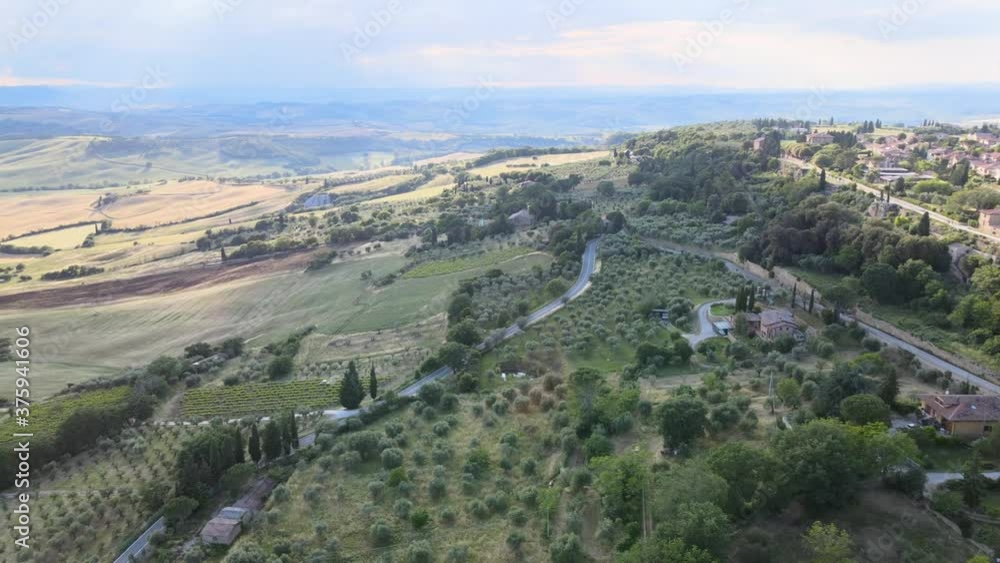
{"x": 841, "y": 181}
{"x": 705, "y": 328}
{"x": 924, "y": 356}
{"x": 581, "y": 285}
{"x": 140, "y": 543}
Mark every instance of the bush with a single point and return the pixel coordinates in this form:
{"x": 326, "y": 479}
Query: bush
{"x": 478, "y": 509}
{"x": 514, "y": 540}
{"x": 402, "y": 508}
{"x": 909, "y": 480}
{"x": 437, "y": 488}
{"x": 419, "y": 552}
{"x": 419, "y": 519}
{"x": 598, "y": 445}
{"x": 381, "y": 533}
{"x": 375, "y": 489}
{"x": 528, "y": 467}
{"x": 567, "y": 549}
{"x": 431, "y": 393}
{"x": 448, "y": 516}
{"x": 392, "y": 458}
{"x": 517, "y": 516}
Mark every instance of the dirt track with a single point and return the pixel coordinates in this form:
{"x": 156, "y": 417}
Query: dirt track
{"x": 151, "y": 284}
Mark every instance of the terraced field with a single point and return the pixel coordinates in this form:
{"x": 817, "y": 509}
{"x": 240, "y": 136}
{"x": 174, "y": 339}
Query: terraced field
{"x": 441, "y": 267}
{"x": 260, "y": 398}
{"x": 375, "y": 185}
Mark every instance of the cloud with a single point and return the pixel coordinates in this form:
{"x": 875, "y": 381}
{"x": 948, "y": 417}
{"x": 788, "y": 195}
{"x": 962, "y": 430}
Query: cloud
{"x": 764, "y": 44}
{"x": 715, "y": 53}
{"x": 9, "y": 81}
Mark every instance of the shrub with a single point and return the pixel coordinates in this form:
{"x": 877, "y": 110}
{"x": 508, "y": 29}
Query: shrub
{"x": 447, "y": 515}
{"x": 392, "y": 458}
{"x": 280, "y": 493}
{"x": 514, "y": 540}
{"x": 497, "y": 503}
{"x": 402, "y": 508}
{"x": 528, "y": 467}
{"x": 419, "y": 519}
{"x": 437, "y": 488}
{"x": 397, "y": 476}
{"x": 375, "y": 489}
{"x": 478, "y": 509}
{"x": 431, "y": 393}
{"x": 441, "y": 428}
{"x": 457, "y": 554}
{"x": 381, "y": 533}
{"x": 517, "y": 516}
{"x": 419, "y": 552}
{"x": 598, "y": 445}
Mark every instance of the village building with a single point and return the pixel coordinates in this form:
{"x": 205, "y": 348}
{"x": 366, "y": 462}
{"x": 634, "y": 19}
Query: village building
{"x": 775, "y": 323}
{"x": 221, "y": 531}
{"x": 989, "y": 221}
{"x": 758, "y": 143}
{"x": 983, "y": 138}
{"x": 964, "y": 416}
{"x": 227, "y": 524}
{"x": 819, "y": 138}
{"x": 522, "y": 219}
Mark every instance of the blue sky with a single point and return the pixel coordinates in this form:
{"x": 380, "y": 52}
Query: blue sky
{"x": 317, "y": 44}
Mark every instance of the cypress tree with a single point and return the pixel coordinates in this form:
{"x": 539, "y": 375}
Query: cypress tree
{"x": 293, "y": 429}
{"x": 272, "y": 440}
{"x": 822, "y": 179}
{"x": 254, "y": 443}
{"x": 239, "y": 448}
{"x": 753, "y": 297}
{"x": 812, "y": 299}
{"x": 372, "y": 383}
{"x": 286, "y": 436}
{"x": 351, "y": 393}
{"x": 223, "y": 249}
{"x": 924, "y": 227}
{"x": 889, "y": 388}
{"x": 795, "y": 292}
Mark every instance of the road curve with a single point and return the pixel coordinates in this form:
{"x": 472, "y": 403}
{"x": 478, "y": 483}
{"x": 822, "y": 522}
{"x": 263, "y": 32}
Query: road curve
{"x": 589, "y": 263}
{"x": 581, "y": 285}
{"x": 924, "y": 356}
{"x": 705, "y": 328}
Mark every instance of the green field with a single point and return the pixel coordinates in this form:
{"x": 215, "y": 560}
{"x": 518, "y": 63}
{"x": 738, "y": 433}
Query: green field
{"x": 73, "y": 344}
{"x": 260, "y": 398}
{"x": 46, "y": 416}
{"x": 442, "y": 267}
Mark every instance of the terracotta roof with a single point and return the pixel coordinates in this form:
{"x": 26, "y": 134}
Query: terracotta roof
{"x": 776, "y": 316}
{"x": 964, "y": 408}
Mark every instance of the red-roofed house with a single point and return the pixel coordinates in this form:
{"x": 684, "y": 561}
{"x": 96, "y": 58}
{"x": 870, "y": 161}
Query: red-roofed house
{"x": 965, "y": 416}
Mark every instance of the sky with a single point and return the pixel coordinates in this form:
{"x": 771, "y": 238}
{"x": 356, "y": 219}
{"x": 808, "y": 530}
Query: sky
{"x": 347, "y": 44}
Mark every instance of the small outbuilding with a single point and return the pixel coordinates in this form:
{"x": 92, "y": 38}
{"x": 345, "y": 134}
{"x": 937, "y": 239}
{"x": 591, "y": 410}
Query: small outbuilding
{"x": 221, "y": 531}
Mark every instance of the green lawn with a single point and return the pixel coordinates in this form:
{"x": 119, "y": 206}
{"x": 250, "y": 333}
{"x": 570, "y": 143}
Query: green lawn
{"x": 946, "y": 458}
{"x": 722, "y": 310}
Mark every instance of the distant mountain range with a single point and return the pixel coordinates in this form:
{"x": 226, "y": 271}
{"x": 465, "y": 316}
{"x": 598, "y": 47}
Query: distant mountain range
{"x": 564, "y": 113}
